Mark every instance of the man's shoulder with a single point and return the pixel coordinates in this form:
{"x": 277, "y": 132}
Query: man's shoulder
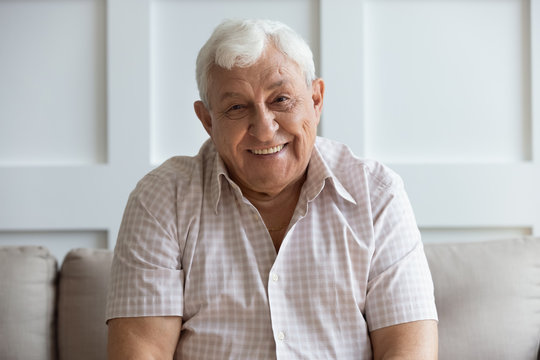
{"x": 349, "y": 168}
{"x": 182, "y": 171}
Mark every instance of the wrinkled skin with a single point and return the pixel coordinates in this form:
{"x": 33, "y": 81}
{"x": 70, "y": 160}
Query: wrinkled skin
{"x": 263, "y": 121}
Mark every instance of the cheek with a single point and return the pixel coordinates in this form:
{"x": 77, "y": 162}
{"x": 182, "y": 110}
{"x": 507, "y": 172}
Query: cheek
{"x": 309, "y": 128}
{"x": 228, "y": 136}
{"x": 304, "y": 132}
{"x": 300, "y": 123}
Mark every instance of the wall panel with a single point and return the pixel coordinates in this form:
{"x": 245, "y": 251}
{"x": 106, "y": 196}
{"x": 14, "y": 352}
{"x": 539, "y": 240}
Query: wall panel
{"x": 53, "y": 89}
{"x": 447, "y": 81}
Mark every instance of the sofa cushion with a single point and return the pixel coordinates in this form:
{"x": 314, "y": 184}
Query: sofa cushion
{"x": 27, "y": 302}
{"x": 83, "y": 281}
{"x": 488, "y": 298}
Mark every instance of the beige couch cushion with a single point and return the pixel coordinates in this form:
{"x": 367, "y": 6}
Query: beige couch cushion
{"x": 488, "y": 298}
{"x": 27, "y": 298}
{"x": 84, "y": 277}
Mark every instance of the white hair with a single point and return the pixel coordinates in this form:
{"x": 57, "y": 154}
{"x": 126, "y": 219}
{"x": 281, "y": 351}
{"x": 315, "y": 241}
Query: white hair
{"x": 240, "y": 43}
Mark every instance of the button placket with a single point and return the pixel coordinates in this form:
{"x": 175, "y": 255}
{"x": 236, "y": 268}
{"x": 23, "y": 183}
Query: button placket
{"x": 276, "y": 301}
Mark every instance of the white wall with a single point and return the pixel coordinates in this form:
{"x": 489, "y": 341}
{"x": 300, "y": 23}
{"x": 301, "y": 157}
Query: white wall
{"x": 95, "y": 93}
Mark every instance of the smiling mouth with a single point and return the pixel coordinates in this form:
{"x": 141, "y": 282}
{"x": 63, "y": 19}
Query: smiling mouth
{"x": 268, "y": 151}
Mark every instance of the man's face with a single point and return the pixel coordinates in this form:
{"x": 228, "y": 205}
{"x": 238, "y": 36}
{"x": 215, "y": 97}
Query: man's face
{"x": 263, "y": 121}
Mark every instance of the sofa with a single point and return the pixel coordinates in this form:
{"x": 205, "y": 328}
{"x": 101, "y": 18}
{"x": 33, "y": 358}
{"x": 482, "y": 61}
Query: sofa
{"x": 487, "y": 295}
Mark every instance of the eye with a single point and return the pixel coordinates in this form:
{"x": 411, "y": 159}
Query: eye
{"x": 236, "y": 111}
{"x": 283, "y": 103}
{"x": 235, "y": 107}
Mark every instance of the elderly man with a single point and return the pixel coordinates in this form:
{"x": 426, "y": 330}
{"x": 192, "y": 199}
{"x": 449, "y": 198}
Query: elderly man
{"x": 271, "y": 242}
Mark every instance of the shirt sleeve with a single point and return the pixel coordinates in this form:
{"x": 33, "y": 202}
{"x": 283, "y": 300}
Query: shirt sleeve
{"x": 146, "y": 275}
{"x": 400, "y": 287}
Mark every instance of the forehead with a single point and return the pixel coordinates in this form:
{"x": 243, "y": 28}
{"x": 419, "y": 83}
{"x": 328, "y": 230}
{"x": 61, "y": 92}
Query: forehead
{"x": 272, "y": 69}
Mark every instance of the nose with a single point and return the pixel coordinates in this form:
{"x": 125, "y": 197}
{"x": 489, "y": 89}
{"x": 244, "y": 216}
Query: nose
{"x": 263, "y": 125}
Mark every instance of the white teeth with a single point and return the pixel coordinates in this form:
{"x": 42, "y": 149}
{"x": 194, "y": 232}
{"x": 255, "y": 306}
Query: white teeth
{"x": 271, "y": 150}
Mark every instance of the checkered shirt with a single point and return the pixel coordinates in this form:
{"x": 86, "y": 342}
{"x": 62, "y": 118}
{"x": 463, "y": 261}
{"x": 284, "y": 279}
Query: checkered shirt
{"x": 351, "y": 262}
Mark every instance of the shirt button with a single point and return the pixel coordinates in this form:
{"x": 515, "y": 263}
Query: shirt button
{"x": 275, "y": 277}
{"x": 281, "y": 335}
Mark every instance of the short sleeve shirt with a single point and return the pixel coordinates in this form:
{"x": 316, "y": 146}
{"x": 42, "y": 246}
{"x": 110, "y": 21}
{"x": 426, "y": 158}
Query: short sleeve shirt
{"x": 352, "y": 260}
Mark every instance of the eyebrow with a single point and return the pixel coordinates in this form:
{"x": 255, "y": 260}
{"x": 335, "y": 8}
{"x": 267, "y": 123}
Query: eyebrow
{"x": 277, "y": 84}
{"x": 229, "y": 94}
{"x": 232, "y": 94}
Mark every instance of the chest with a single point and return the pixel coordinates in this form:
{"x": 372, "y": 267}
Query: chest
{"x": 231, "y": 258}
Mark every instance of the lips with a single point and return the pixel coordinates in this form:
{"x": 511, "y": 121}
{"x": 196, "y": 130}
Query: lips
{"x": 268, "y": 151}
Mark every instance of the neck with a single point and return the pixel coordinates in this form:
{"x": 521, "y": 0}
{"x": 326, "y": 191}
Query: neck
{"x": 277, "y": 209}
{"x": 266, "y": 202}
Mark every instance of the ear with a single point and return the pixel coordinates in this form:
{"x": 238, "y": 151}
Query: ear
{"x": 204, "y": 115}
{"x": 317, "y": 95}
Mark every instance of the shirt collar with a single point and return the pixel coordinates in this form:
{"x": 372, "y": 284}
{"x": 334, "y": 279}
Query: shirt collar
{"x": 318, "y": 174}
{"x": 220, "y": 173}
